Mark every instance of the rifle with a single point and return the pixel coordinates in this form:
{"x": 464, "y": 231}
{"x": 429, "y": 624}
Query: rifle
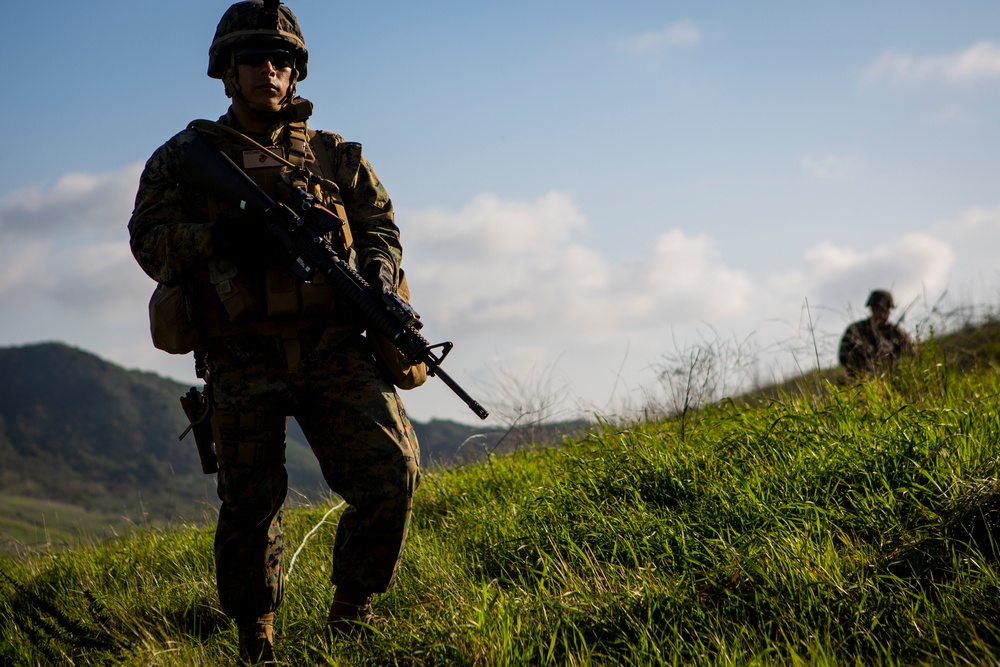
{"x": 302, "y": 232}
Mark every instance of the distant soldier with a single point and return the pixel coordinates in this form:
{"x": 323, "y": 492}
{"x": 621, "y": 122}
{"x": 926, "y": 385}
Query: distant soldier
{"x": 874, "y": 344}
{"x": 273, "y": 345}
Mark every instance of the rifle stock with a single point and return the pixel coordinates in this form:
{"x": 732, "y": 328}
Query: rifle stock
{"x": 302, "y": 235}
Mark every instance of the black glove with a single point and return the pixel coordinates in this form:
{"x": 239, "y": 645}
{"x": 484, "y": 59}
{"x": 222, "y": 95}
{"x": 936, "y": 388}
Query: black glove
{"x": 245, "y": 241}
{"x": 380, "y": 275}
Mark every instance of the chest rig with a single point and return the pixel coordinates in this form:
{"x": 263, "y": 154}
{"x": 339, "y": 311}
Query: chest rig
{"x": 270, "y": 300}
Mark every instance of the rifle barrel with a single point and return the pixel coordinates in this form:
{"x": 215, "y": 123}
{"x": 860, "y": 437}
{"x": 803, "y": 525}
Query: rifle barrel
{"x": 474, "y": 405}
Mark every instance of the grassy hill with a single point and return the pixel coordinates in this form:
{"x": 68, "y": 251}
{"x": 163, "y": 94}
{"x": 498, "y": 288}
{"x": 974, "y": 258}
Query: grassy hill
{"x": 851, "y": 524}
{"x": 84, "y": 442}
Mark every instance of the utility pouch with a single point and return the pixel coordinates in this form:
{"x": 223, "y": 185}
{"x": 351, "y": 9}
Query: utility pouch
{"x": 391, "y": 361}
{"x": 317, "y": 298}
{"x": 281, "y": 293}
{"x": 199, "y": 411}
{"x": 287, "y": 296}
{"x": 236, "y": 295}
{"x": 171, "y": 320}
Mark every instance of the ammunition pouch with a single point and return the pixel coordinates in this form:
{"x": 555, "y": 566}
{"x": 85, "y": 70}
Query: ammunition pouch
{"x": 287, "y": 296}
{"x": 237, "y": 295}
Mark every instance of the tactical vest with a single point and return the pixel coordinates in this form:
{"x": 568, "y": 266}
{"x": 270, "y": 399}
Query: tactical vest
{"x": 236, "y": 299}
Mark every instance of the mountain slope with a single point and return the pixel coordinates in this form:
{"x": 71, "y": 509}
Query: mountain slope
{"x": 89, "y": 443}
{"x": 78, "y": 429}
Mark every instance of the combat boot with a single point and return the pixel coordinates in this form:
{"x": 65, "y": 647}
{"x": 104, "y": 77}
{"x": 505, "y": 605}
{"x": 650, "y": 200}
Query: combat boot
{"x": 350, "y": 612}
{"x": 257, "y": 641}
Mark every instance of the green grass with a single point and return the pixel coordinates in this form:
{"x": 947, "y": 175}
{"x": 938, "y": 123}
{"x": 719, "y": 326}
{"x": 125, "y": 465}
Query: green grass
{"x": 45, "y": 524}
{"x": 30, "y": 523}
{"x": 855, "y": 525}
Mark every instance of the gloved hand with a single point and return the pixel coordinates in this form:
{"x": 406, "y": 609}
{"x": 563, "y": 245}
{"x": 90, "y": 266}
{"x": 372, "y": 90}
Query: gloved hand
{"x": 380, "y": 275}
{"x": 245, "y": 241}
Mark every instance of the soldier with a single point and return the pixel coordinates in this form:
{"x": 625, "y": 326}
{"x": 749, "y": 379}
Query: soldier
{"x": 271, "y": 346}
{"x": 875, "y": 343}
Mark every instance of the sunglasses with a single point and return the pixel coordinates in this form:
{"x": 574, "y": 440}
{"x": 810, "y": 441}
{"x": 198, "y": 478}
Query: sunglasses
{"x": 256, "y": 58}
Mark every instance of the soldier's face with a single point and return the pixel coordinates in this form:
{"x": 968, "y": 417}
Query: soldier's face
{"x": 880, "y": 313}
{"x": 263, "y": 81}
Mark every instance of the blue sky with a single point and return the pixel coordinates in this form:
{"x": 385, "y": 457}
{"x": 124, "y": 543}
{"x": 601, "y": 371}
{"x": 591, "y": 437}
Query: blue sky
{"x": 582, "y": 187}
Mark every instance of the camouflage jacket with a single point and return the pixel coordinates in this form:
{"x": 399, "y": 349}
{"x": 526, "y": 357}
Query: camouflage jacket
{"x": 867, "y": 347}
{"x": 170, "y": 228}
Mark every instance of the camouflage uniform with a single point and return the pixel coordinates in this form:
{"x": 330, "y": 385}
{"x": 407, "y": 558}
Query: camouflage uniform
{"x": 867, "y": 347}
{"x": 317, "y": 368}
{"x": 874, "y": 344}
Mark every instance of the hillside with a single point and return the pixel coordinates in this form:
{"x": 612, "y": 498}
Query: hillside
{"x": 81, "y": 432}
{"x": 854, "y": 524}
{"x": 89, "y": 447}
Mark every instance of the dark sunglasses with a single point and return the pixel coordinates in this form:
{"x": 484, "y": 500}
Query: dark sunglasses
{"x": 256, "y": 58}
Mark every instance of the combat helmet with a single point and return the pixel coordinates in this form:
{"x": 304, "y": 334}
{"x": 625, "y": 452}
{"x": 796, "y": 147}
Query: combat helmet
{"x": 257, "y": 23}
{"x": 880, "y": 297}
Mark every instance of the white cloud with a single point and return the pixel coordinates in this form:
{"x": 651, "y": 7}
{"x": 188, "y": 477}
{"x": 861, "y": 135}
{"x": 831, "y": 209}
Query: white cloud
{"x": 78, "y": 203}
{"x": 510, "y": 265}
{"x": 688, "y": 275}
{"x": 953, "y": 115}
{"x": 680, "y": 34}
{"x": 489, "y": 225}
{"x": 833, "y": 167}
{"x": 834, "y": 275}
{"x": 23, "y": 266}
{"x": 66, "y": 270}
{"x": 67, "y": 247}
{"x": 100, "y": 281}
{"x": 91, "y": 282}
{"x": 979, "y": 62}
{"x": 533, "y": 294}
{"x": 974, "y": 234}
{"x": 977, "y": 218}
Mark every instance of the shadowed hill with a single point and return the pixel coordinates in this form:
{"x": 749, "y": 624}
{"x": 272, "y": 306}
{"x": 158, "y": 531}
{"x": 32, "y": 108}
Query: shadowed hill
{"x": 79, "y": 430}
{"x": 88, "y": 446}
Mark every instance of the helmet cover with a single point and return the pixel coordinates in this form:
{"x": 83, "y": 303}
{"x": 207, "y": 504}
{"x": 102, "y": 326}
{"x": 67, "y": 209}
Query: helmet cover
{"x": 880, "y": 297}
{"x": 258, "y": 23}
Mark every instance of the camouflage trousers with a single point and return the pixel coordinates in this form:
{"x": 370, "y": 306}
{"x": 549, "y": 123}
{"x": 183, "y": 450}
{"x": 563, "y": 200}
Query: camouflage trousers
{"x": 359, "y": 432}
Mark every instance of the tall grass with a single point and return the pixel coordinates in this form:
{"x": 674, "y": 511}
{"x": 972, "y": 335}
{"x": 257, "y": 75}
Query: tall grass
{"x": 855, "y": 525}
